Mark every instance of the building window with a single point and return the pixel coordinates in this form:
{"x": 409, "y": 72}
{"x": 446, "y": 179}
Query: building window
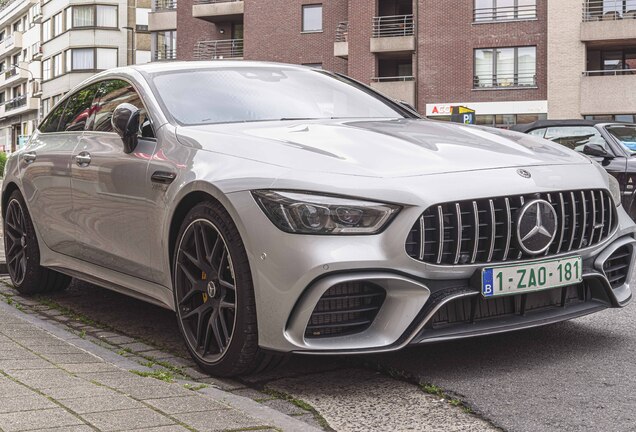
{"x": 46, "y": 106}
{"x": 106, "y": 58}
{"x": 616, "y": 61}
{"x": 106, "y": 16}
{"x": 312, "y": 18}
{"x": 58, "y": 65}
{"x": 504, "y": 10}
{"x": 505, "y": 67}
{"x": 58, "y": 24}
{"x": 2, "y": 97}
{"x": 78, "y": 59}
{"x": 94, "y": 16}
{"x": 46, "y": 69}
{"x": 82, "y": 59}
{"x": 83, "y": 16}
{"x": 165, "y": 45}
{"x": 46, "y": 30}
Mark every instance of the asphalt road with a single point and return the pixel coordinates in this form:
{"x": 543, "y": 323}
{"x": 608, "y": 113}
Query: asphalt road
{"x": 574, "y": 376}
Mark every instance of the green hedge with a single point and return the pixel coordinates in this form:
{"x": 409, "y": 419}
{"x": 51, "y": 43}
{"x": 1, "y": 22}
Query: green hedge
{"x": 3, "y": 161}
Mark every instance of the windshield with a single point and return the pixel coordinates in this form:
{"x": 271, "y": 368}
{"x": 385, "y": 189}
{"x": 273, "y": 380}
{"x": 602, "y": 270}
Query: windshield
{"x": 246, "y": 94}
{"x": 625, "y": 134}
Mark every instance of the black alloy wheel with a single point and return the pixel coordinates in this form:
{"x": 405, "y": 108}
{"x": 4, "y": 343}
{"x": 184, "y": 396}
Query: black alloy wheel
{"x": 206, "y": 290}
{"x": 23, "y": 252}
{"x": 16, "y": 241}
{"x": 214, "y": 294}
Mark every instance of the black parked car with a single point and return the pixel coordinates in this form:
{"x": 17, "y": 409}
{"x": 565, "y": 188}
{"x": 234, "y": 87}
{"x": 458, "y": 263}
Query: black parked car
{"x": 613, "y": 145}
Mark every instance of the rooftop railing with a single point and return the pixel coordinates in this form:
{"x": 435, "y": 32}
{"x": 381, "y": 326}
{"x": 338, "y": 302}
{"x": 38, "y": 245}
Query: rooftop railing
{"x": 218, "y": 49}
{"x": 505, "y": 13}
{"x": 165, "y": 54}
{"x": 393, "y": 26}
{"x": 214, "y": 1}
{"x": 523, "y": 79}
{"x": 342, "y": 31}
{"x": 393, "y": 78}
{"x": 161, "y": 5}
{"x": 610, "y": 72}
{"x": 609, "y": 10}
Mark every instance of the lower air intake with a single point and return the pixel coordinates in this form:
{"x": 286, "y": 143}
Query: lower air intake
{"x": 345, "y": 309}
{"x": 617, "y": 265}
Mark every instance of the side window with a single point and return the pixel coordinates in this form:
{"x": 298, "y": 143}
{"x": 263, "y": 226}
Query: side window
{"x": 51, "y": 122}
{"x": 575, "y": 137}
{"x": 77, "y": 109}
{"x": 111, "y": 94}
{"x": 537, "y": 132}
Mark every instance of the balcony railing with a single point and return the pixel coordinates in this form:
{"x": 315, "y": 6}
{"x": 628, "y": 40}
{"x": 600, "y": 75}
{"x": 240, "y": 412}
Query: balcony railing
{"x": 161, "y": 5}
{"x": 165, "y": 54}
{"x": 15, "y": 103}
{"x": 505, "y": 13}
{"x": 610, "y": 72}
{"x": 393, "y": 26}
{"x": 393, "y": 78}
{"x": 342, "y": 31}
{"x": 10, "y": 73}
{"x": 505, "y": 80}
{"x": 609, "y": 10}
{"x": 214, "y": 1}
{"x": 218, "y": 49}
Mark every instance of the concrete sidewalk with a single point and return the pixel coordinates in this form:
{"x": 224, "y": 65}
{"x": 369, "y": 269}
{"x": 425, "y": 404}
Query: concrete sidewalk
{"x": 51, "y": 379}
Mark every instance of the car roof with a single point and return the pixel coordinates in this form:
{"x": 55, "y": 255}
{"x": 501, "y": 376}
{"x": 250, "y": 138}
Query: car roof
{"x": 178, "y": 66}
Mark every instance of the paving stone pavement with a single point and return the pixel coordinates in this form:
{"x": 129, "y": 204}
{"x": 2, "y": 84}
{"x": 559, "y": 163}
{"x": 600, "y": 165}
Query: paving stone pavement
{"x": 49, "y": 380}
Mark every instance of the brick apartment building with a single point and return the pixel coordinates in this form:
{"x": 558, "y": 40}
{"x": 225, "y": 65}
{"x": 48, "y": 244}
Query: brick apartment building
{"x": 494, "y": 56}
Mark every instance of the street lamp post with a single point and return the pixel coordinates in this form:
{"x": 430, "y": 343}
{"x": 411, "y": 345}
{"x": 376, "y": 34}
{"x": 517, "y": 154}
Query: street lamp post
{"x": 34, "y": 79}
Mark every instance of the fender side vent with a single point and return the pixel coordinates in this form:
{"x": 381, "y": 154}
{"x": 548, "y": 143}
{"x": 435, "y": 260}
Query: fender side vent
{"x": 345, "y": 309}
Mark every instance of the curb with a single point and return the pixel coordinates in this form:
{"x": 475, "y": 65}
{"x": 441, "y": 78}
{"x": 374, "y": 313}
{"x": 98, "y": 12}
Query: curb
{"x": 246, "y": 405}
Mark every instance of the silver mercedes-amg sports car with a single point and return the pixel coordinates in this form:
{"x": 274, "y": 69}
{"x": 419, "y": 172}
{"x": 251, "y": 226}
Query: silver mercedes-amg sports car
{"x": 279, "y": 208}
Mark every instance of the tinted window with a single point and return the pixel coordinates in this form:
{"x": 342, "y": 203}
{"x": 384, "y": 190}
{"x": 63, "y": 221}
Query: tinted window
{"x": 50, "y": 123}
{"x": 223, "y": 95}
{"x": 575, "y": 137}
{"x": 538, "y": 132}
{"x": 626, "y": 135}
{"x": 77, "y": 109}
{"x": 111, "y": 94}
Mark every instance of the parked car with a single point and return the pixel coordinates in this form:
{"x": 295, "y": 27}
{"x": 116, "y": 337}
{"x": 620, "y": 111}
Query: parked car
{"x": 278, "y": 208}
{"x": 613, "y": 145}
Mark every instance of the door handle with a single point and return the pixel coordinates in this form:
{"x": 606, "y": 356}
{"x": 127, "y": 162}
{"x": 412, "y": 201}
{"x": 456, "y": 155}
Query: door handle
{"x": 29, "y": 157}
{"x": 83, "y": 159}
{"x": 163, "y": 177}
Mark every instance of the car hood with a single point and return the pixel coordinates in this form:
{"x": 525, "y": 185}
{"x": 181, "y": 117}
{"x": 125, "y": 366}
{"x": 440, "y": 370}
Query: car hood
{"x": 377, "y": 148}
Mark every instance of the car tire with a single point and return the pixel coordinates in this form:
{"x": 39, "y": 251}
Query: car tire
{"x": 218, "y": 323}
{"x": 23, "y": 252}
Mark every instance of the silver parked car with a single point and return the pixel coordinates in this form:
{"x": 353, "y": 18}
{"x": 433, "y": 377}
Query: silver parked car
{"x": 279, "y": 208}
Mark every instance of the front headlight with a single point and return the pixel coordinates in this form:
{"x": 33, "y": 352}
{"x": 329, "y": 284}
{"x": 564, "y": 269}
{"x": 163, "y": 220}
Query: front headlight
{"x": 305, "y": 213}
{"x": 615, "y": 189}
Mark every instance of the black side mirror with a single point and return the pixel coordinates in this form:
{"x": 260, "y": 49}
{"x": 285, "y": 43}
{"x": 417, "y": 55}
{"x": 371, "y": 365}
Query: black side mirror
{"x": 125, "y": 121}
{"x": 596, "y": 150}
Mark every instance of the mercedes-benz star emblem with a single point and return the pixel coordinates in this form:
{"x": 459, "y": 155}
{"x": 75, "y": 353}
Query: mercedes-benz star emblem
{"x": 536, "y": 226}
{"x": 211, "y": 289}
{"x": 523, "y": 173}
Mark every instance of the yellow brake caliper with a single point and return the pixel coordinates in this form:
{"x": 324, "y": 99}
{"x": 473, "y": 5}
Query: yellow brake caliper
{"x": 205, "y": 294}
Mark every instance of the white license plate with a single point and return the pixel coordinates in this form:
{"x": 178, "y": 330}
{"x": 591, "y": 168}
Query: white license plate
{"x": 527, "y": 277}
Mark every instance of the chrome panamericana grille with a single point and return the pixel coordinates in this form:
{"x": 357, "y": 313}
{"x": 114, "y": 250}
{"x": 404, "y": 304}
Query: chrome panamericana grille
{"x": 484, "y": 230}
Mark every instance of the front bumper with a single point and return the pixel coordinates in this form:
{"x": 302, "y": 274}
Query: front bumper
{"x": 292, "y": 272}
